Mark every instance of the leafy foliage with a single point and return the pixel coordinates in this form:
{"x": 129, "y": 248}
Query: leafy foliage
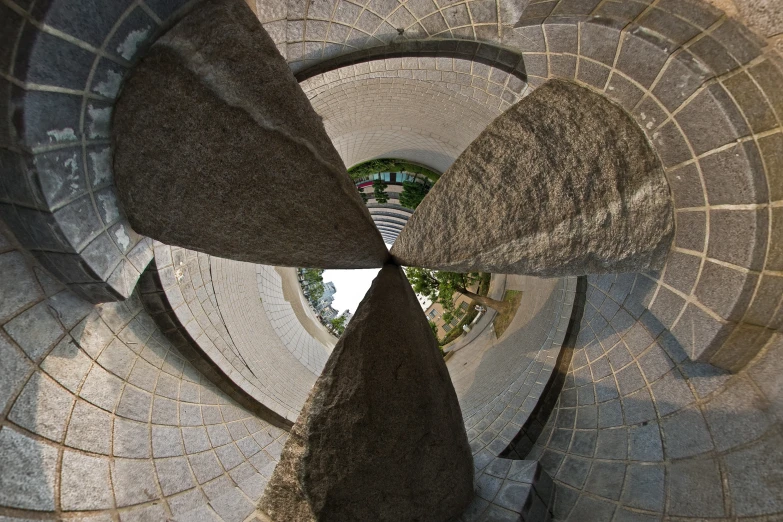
{"x": 390, "y": 165}
{"x": 379, "y": 191}
{"x": 434, "y": 328}
{"x": 412, "y": 194}
{"x": 440, "y": 286}
{"x": 338, "y": 324}
{"x": 313, "y": 279}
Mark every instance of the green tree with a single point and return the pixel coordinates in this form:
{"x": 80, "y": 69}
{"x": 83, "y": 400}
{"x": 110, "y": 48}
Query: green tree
{"x": 379, "y": 191}
{"x": 434, "y": 328}
{"x": 412, "y": 194}
{"x": 338, "y": 324}
{"x": 313, "y": 279}
{"x": 440, "y": 286}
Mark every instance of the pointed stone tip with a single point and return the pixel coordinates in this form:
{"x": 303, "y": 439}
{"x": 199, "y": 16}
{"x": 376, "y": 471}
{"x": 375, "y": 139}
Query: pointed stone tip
{"x": 610, "y": 212}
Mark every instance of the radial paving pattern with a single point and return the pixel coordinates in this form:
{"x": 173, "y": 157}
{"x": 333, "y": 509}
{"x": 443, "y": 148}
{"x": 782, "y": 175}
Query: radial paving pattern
{"x": 640, "y": 431}
{"x": 103, "y": 417}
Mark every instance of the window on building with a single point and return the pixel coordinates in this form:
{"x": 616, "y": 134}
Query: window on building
{"x": 463, "y": 307}
{"x": 432, "y": 315}
{"x": 447, "y": 328}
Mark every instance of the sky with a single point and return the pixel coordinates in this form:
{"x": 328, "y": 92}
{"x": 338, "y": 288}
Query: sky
{"x": 351, "y": 286}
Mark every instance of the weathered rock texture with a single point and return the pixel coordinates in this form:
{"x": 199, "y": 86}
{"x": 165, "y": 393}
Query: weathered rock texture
{"x": 562, "y": 183}
{"x": 381, "y": 436}
{"x": 217, "y": 149}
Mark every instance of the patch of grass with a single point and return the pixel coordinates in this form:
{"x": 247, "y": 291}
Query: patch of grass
{"x": 502, "y": 320}
{"x": 484, "y": 280}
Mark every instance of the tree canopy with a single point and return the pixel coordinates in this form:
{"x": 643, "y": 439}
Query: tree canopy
{"x": 412, "y": 194}
{"x": 338, "y": 324}
{"x": 390, "y": 165}
{"x": 440, "y": 286}
{"x": 379, "y": 191}
{"x": 313, "y": 279}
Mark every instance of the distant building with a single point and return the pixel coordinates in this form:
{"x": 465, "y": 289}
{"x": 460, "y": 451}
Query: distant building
{"x": 434, "y": 312}
{"x": 329, "y": 313}
{"x": 327, "y": 298}
{"x": 348, "y": 316}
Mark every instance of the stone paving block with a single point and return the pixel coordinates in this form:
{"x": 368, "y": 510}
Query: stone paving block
{"x": 131, "y": 439}
{"x": 229, "y": 456}
{"x": 143, "y": 514}
{"x": 233, "y": 506}
{"x": 735, "y": 418}
{"x": 205, "y": 466}
{"x": 166, "y": 441}
{"x": 195, "y": 439}
{"x": 35, "y": 331}
{"x": 644, "y": 486}
{"x": 16, "y": 369}
{"x": 754, "y": 473}
{"x": 574, "y": 471}
{"x": 84, "y": 483}
{"x": 67, "y": 364}
{"x": 710, "y": 120}
{"x": 725, "y": 290}
{"x": 133, "y": 481}
{"x": 606, "y": 479}
{"x": 190, "y": 415}
{"x": 29, "y": 472}
{"x": 43, "y": 407}
{"x": 686, "y": 433}
{"x": 695, "y": 488}
{"x": 587, "y": 508}
{"x": 164, "y": 411}
{"x": 174, "y": 475}
{"x": 610, "y": 414}
{"x": 638, "y": 407}
{"x": 185, "y": 502}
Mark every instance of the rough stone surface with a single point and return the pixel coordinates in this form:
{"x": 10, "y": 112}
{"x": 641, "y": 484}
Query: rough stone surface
{"x": 381, "y": 435}
{"x": 595, "y": 202}
{"x": 217, "y": 162}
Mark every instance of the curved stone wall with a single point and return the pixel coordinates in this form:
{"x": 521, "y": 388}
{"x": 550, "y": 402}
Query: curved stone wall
{"x": 499, "y": 383}
{"x": 235, "y": 314}
{"x": 63, "y": 64}
{"x": 423, "y": 109}
{"x": 104, "y": 419}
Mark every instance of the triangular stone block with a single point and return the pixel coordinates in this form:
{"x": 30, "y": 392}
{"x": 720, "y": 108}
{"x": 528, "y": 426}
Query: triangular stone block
{"x": 562, "y": 183}
{"x": 381, "y": 437}
{"x": 217, "y": 149}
